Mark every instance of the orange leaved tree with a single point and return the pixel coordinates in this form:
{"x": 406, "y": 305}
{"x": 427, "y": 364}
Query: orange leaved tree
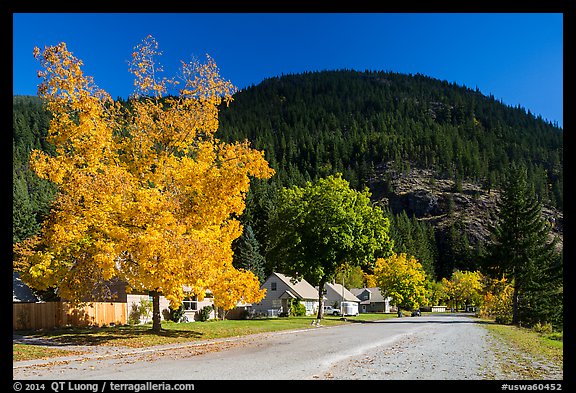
{"x": 147, "y": 194}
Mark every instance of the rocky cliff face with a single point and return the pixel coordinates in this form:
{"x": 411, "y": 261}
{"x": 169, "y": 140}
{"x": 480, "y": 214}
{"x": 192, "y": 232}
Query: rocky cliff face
{"x": 427, "y": 196}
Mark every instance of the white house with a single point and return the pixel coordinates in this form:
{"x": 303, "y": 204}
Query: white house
{"x": 190, "y": 305}
{"x": 280, "y": 288}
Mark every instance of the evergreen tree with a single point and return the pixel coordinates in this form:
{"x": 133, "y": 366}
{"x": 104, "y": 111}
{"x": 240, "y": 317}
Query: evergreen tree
{"x": 414, "y": 237}
{"x": 24, "y": 222}
{"x": 521, "y": 250}
{"x": 247, "y": 254}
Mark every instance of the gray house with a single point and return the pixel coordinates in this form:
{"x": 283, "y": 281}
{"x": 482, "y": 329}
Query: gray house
{"x": 336, "y": 293}
{"x": 279, "y": 289}
{"x": 371, "y": 300}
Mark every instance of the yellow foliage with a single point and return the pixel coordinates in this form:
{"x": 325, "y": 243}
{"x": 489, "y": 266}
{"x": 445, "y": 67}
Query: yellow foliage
{"x": 369, "y": 279}
{"x": 464, "y": 286}
{"x": 402, "y": 278}
{"x": 497, "y": 300}
{"x": 147, "y": 193}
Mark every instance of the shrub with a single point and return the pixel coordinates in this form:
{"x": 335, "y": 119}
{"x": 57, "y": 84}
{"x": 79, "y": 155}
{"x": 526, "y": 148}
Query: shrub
{"x": 176, "y": 313}
{"x": 297, "y": 309}
{"x": 559, "y": 336}
{"x": 497, "y": 302}
{"x": 542, "y": 327}
{"x": 139, "y": 311}
{"x": 505, "y": 319}
{"x": 204, "y": 314}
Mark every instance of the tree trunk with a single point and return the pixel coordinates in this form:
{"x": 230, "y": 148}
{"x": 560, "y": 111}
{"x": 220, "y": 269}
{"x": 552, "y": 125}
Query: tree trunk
{"x": 320, "y": 300}
{"x": 156, "y": 323}
{"x": 515, "y": 316}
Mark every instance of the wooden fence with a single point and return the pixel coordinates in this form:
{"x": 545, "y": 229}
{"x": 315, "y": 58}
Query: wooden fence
{"x": 33, "y": 316}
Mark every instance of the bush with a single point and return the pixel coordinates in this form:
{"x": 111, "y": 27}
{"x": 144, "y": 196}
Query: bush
{"x": 297, "y": 309}
{"x": 505, "y": 319}
{"x": 204, "y": 314}
{"x": 497, "y": 303}
{"x": 176, "y": 314}
{"x": 558, "y": 336}
{"x": 542, "y": 327}
{"x": 139, "y": 311}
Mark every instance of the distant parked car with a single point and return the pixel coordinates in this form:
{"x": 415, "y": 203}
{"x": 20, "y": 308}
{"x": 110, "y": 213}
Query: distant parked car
{"x": 329, "y": 310}
{"x": 416, "y": 313}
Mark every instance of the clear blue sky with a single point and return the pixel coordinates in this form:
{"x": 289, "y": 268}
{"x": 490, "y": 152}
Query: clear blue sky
{"x": 516, "y": 57}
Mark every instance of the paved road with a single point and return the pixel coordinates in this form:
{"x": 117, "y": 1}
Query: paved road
{"x": 427, "y": 347}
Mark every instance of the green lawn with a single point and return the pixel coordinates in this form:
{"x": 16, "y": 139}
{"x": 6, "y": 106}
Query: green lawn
{"x": 548, "y": 346}
{"x": 140, "y": 336}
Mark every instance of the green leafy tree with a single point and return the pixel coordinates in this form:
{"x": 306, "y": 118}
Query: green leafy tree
{"x": 318, "y": 227}
{"x": 351, "y": 276}
{"x": 435, "y": 293}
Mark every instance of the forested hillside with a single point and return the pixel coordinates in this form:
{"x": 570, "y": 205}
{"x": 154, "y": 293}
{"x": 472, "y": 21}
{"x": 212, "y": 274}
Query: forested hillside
{"x": 431, "y": 152}
{"x": 314, "y": 124}
{"x": 394, "y": 133}
{"x": 31, "y": 196}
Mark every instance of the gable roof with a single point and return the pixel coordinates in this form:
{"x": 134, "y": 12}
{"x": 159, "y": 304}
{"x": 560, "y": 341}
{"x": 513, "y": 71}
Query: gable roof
{"x": 301, "y": 289}
{"x": 20, "y": 291}
{"x": 338, "y": 288}
{"x": 375, "y": 294}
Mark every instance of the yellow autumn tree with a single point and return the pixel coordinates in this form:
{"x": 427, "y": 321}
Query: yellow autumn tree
{"x": 463, "y": 287}
{"x": 401, "y": 278}
{"x": 497, "y": 300}
{"x": 147, "y": 194}
{"x": 369, "y": 280}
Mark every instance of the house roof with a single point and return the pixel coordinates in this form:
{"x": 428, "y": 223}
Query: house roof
{"x": 20, "y": 291}
{"x": 338, "y": 288}
{"x": 375, "y": 294}
{"x": 287, "y": 295}
{"x": 301, "y": 289}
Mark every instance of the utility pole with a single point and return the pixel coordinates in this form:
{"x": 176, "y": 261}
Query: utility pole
{"x": 342, "y": 301}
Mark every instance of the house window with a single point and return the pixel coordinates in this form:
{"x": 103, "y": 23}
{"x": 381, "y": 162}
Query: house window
{"x": 272, "y": 286}
{"x": 190, "y": 304}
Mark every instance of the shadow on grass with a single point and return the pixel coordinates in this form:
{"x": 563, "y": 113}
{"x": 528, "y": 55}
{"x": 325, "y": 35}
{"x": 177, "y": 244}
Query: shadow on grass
{"x": 142, "y": 335}
{"x": 94, "y": 336}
